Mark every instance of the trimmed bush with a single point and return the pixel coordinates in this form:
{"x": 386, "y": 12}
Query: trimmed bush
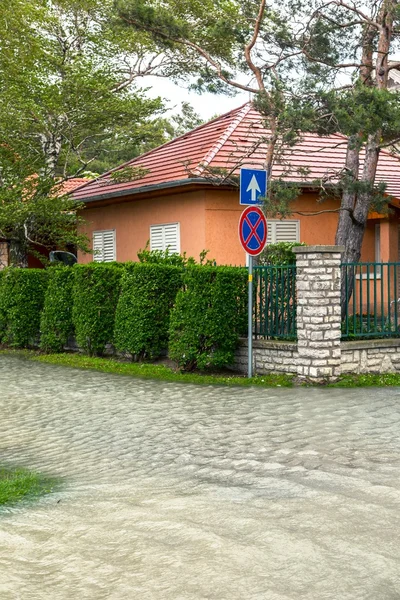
{"x": 95, "y": 295}
{"x": 280, "y": 254}
{"x": 2, "y": 313}
{"x": 142, "y": 318}
{"x": 56, "y": 321}
{"x": 208, "y": 317}
{"x": 21, "y": 302}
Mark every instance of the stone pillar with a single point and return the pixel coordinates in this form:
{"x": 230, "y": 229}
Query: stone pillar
{"x": 318, "y": 312}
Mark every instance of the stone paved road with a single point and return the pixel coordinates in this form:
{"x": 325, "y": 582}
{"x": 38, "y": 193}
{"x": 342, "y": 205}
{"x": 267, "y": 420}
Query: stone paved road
{"x": 175, "y": 492}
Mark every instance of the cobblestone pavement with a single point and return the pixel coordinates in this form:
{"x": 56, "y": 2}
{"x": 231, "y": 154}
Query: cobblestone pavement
{"x": 178, "y": 492}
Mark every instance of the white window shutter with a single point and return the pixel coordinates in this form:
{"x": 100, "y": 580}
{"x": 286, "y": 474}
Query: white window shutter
{"x": 156, "y": 237}
{"x": 269, "y": 232}
{"x": 287, "y": 231}
{"x": 171, "y": 237}
{"x": 109, "y": 246}
{"x": 283, "y": 231}
{"x": 104, "y": 246}
{"x": 98, "y": 246}
{"x": 165, "y": 236}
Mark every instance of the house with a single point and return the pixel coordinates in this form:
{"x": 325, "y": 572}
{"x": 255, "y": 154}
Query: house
{"x": 182, "y": 195}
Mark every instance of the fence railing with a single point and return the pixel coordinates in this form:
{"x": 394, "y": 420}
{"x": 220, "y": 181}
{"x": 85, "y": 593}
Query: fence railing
{"x": 372, "y": 308}
{"x": 274, "y": 308}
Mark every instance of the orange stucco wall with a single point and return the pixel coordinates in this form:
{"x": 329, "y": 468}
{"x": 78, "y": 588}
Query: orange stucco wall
{"x": 222, "y": 217}
{"x": 132, "y": 221}
{"x": 209, "y": 221}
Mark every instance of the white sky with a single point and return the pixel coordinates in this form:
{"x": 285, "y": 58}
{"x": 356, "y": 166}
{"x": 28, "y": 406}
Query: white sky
{"x": 206, "y": 105}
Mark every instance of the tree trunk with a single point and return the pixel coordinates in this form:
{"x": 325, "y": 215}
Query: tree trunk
{"x": 18, "y": 254}
{"x": 355, "y": 207}
{"x": 51, "y": 146}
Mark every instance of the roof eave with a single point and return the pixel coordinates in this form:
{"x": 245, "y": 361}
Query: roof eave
{"x": 152, "y": 188}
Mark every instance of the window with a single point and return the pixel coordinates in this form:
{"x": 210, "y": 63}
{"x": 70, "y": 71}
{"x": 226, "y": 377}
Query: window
{"x": 283, "y": 231}
{"x": 104, "y": 246}
{"x": 165, "y": 236}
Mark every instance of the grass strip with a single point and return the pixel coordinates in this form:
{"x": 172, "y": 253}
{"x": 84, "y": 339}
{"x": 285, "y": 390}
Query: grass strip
{"x": 154, "y": 371}
{"x": 367, "y": 380}
{"x": 17, "y": 484}
{"x": 164, "y": 373}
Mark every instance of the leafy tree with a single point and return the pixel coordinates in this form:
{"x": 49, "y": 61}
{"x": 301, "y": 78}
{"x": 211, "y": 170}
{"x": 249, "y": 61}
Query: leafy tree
{"x": 68, "y": 98}
{"x": 312, "y": 65}
{"x": 186, "y": 120}
{"x": 68, "y": 90}
{"x": 35, "y": 216}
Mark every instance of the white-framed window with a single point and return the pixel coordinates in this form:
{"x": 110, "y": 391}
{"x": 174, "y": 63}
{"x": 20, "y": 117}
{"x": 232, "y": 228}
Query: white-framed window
{"x": 104, "y": 246}
{"x": 283, "y": 231}
{"x": 165, "y": 236}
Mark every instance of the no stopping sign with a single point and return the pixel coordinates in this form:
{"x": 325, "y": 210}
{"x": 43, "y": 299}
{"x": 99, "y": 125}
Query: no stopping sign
{"x": 253, "y": 230}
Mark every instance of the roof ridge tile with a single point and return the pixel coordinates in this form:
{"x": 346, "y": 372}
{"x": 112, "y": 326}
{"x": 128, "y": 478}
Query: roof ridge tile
{"x": 212, "y": 152}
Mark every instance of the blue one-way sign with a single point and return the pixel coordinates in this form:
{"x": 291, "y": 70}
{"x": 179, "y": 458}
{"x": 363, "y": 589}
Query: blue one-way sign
{"x": 253, "y": 186}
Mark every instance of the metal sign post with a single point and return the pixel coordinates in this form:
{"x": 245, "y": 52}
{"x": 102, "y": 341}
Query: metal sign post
{"x": 253, "y": 237}
{"x": 250, "y": 319}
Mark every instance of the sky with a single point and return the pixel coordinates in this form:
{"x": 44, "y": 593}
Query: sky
{"x": 206, "y": 105}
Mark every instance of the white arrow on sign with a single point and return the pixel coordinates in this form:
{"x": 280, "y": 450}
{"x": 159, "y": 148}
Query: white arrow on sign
{"x": 254, "y": 188}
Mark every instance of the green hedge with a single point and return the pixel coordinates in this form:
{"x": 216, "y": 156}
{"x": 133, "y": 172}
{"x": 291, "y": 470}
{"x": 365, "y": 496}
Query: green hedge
{"x": 279, "y": 254}
{"x": 56, "y": 321}
{"x": 95, "y": 292}
{"x": 142, "y": 318}
{"x": 21, "y": 301}
{"x": 208, "y": 317}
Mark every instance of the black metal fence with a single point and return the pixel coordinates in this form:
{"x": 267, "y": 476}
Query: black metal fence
{"x": 274, "y": 308}
{"x": 372, "y": 300}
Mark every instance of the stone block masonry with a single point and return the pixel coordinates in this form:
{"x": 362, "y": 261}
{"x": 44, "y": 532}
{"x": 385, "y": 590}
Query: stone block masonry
{"x": 268, "y": 357}
{"x": 370, "y": 356}
{"x": 318, "y": 312}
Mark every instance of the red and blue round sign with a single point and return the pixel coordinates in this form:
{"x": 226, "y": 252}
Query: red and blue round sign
{"x": 253, "y": 230}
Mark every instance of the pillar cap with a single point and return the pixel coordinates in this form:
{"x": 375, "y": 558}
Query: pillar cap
{"x": 320, "y": 249}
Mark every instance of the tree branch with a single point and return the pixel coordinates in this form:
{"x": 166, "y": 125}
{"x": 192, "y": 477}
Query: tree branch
{"x": 250, "y": 45}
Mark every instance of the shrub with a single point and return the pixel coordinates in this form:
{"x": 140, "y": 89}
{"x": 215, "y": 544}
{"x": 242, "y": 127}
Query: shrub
{"x": 279, "y": 254}
{"x": 166, "y": 257}
{"x": 21, "y": 302}
{"x": 95, "y": 295}
{"x": 142, "y": 319}
{"x": 56, "y": 321}
{"x": 209, "y": 315}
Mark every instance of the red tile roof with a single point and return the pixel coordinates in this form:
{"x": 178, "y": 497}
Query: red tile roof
{"x": 229, "y": 142}
{"x": 70, "y": 185}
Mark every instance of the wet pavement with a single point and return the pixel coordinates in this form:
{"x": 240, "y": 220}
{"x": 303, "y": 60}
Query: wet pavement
{"x": 181, "y": 492}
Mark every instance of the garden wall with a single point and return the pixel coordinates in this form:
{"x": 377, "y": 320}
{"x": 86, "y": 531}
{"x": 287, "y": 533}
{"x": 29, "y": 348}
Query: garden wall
{"x": 365, "y": 356}
{"x": 370, "y": 356}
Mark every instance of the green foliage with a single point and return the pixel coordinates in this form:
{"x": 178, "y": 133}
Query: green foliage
{"x": 282, "y": 192}
{"x": 56, "y": 319}
{"x": 34, "y": 215}
{"x": 186, "y": 120}
{"x": 21, "y": 301}
{"x": 68, "y": 86}
{"x": 142, "y": 318}
{"x": 209, "y": 315}
{"x": 166, "y": 257}
{"x": 95, "y": 292}
{"x": 279, "y": 254}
